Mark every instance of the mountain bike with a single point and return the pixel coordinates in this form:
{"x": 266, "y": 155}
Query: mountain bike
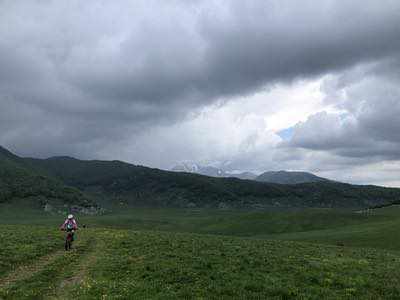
{"x": 69, "y": 239}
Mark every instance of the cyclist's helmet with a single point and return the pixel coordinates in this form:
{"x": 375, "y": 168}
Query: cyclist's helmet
{"x": 70, "y": 217}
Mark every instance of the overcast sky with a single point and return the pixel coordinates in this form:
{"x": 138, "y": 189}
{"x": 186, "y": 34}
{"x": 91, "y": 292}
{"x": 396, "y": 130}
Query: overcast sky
{"x": 248, "y": 85}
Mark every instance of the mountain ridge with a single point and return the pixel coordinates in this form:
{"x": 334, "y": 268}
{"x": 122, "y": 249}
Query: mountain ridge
{"x": 139, "y": 185}
{"x": 289, "y": 177}
{"x": 280, "y": 177}
{"x": 116, "y": 182}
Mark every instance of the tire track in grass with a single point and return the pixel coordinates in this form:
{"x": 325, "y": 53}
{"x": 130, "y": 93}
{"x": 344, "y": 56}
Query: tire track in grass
{"x": 25, "y": 271}
{"x": 78, "y": 277}
{"x": 31, "y": 279}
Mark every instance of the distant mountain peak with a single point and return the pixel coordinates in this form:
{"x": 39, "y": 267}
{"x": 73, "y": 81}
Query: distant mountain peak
{"x": 191, "y": 167}
{"x": 210, "y": 170}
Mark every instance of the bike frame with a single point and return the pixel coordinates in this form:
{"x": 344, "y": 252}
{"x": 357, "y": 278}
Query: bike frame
{"x": 69, "y": 239}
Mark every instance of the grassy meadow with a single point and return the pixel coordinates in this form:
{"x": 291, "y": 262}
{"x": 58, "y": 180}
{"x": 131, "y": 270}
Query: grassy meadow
{"x": 146, "y": 253}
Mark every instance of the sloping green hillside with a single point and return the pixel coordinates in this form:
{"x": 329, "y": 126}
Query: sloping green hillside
{"x": 139, "y": 185}
{"x": 284, "y": 177}
{"x": 73, "y": 181}
{"x": 17, "y": 181}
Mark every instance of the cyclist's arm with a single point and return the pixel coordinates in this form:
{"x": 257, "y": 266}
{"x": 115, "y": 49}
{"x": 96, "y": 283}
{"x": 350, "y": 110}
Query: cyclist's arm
{"x": 75, "y": 225}
{"x": 62, "y": 227}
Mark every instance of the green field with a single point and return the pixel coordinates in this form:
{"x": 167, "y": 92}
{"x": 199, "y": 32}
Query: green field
{"x": 203, "y": 254}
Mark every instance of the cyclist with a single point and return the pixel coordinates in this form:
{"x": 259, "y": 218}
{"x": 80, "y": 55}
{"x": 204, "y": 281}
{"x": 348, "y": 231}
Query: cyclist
{"x": 70, "y": 225}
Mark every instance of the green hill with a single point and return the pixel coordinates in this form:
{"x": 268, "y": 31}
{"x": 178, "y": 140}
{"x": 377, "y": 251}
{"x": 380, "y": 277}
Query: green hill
{"x": 66, "y": 180}
{"x": 285, "y": 177}
{"x": 142, "y": 186}
{"x": 19, "y": 182}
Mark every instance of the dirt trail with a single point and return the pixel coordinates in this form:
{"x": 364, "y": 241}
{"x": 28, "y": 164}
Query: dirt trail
{"x": 86, "y": 251}
{"x": 26, "y": 271}
{"x": 81, "y": 271}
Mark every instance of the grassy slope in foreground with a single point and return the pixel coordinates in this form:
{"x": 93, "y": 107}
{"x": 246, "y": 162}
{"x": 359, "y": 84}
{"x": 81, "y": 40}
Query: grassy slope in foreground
{"x": 113, "y": 263}
{"x": 133, "y": 265}
{"x": 139, "y": 185}
{"x": 184, "y": 265}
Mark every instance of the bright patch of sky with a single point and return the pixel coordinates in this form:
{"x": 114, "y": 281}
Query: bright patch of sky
{"x": 222, "y": 133}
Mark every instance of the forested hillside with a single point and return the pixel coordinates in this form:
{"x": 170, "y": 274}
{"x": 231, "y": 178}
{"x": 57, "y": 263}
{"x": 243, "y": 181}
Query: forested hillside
{"x": 18, "y": 182}
{"x": 137, "y": 185}
{"x": 65, "y": 180}
{"x": 285, "y": 177}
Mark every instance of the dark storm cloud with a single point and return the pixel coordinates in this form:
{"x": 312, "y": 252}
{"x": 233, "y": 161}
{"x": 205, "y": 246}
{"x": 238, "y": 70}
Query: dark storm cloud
{"x": 272, "y": 41}
{"x": 84, "y": 75}
{"x": 239, "y": 48}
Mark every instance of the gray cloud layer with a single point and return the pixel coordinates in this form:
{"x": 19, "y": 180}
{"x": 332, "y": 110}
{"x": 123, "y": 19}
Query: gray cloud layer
{"x": 80, "y": 77}
{"x": 369, "y": 126}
